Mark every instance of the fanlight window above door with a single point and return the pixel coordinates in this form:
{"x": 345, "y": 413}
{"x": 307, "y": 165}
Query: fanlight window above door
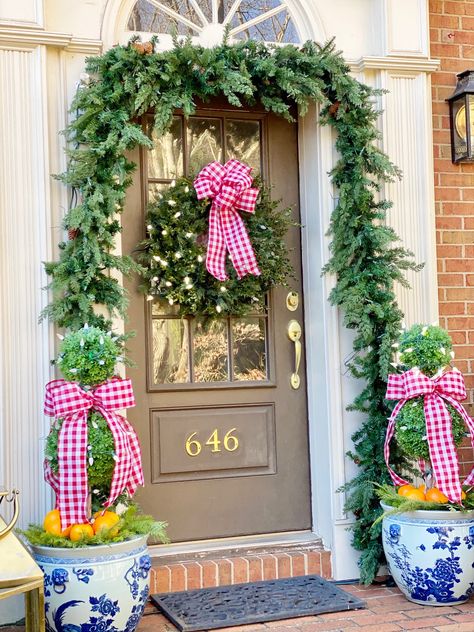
{"x": 206, "y": 21}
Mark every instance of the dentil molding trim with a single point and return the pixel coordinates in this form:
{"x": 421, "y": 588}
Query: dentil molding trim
{"x": 30, "y": 38}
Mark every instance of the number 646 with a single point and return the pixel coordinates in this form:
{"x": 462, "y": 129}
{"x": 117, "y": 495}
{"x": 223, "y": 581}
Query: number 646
{"x": 193, "y": 446}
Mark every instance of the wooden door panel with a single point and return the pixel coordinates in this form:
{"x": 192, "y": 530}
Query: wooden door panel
{"x": 203, "y": 487}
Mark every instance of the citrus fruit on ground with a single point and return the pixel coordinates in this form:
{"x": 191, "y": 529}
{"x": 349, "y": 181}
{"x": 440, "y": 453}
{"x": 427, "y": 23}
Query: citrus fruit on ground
{"x": 105, "y": 522}
{"x": 79, "y": 531}
{"x": 415, "y": 494}
{"x": 433, "y": 495}
{"x": 52, "y": 524}
{"x": 405, "y": 489}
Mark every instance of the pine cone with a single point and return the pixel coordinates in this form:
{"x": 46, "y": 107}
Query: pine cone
{"x": 148, "y": 48}
{"x": 72, "y": 233}
{"x": 139, "y": 47}
{"x": 333, "y": 108}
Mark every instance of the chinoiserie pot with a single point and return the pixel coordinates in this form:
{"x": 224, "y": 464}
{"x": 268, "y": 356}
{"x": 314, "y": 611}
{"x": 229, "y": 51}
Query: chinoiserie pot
{"x": 430, "y": 554}
{"x": 96, "y": 587}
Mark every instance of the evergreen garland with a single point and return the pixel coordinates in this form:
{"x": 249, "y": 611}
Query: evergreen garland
{"x": 174, "y": 253}
{"x": 128, "y": 81}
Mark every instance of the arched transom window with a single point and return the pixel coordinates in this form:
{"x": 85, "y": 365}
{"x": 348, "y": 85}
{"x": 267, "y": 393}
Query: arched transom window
{"x": 206, "y": 21}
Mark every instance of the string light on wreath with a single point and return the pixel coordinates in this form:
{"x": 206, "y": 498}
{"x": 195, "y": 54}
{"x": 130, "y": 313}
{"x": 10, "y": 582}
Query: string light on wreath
{"x": 174, "y": 258}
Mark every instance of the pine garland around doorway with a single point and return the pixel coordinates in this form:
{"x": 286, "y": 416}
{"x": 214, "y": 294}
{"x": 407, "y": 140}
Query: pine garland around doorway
{"x": 128, "y": 81}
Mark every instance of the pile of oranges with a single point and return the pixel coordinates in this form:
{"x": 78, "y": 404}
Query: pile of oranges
{"x": 432, "y": 495}
{"x": 104, "y": 523}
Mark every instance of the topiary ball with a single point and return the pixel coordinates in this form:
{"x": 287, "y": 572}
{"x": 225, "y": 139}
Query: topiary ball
{"x": 427, "y": 347}
{"x": 410, "y": 429}
{"x": 89, "y": 356}
{"x": 100, "y": 460}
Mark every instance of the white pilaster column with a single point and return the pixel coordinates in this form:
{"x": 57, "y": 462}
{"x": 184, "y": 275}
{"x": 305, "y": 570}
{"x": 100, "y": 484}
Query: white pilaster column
{"x": 25, "y": 348}
{"x": 407, "y": 139}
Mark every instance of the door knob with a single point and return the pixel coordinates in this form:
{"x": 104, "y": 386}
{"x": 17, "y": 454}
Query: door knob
{"x": 294, "y": 334}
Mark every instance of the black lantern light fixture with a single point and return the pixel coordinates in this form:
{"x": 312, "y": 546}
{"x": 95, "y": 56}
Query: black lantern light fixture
{"x": 461, "y": 118}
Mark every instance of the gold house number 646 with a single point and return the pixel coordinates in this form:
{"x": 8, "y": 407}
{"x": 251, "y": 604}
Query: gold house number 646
{"x": 194, "y": 446}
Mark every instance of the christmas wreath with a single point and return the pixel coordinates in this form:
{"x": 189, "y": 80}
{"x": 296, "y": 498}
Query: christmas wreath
{"x": 173, "y": 256}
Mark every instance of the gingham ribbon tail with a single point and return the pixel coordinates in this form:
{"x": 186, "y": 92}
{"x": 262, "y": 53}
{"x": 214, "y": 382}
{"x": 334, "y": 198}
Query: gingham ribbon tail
{"x": 449, "y": 388}
{"x": 67, "y": 400}
{"x": 230, "y": 188}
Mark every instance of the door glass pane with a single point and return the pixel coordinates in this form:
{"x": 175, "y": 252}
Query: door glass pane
{"x": 170, "y": 350}
{"x": 278, "y": 28}
{"x": 204, "y": 139}
{"x": 155, "y": 189}
{"x": 163, "y": 308}
{"x": 210, "y": 350}
{"x": 147, "y": 17}
{"x": 248, "y": 349}
{"x": 243, "y": 142}
{"x": 165, "y": 160}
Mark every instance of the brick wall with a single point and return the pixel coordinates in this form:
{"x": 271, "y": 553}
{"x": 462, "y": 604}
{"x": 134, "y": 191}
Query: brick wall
{"x": 452, "y": 42}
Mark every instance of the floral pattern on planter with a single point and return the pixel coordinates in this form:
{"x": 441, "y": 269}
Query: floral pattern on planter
{"x": 95, "y": 594}
{"x": 431, "y": 563}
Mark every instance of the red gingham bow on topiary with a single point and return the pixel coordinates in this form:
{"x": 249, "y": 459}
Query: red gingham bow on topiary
{"x": 229, "y": 186}
{"x": 67, "y": 400}
{"x": 450, "y": 388}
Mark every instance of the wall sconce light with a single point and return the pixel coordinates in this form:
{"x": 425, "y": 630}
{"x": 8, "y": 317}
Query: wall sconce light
{"x": 461, "y": 118}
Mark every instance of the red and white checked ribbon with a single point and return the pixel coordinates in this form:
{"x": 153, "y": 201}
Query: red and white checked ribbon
{"x": 67, "y": 400}
{"x": 229, "y": 186}
{"x": 448, "y": 387}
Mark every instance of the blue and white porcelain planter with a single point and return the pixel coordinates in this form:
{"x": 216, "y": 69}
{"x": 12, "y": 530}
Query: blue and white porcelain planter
{"x": 97, "y": 588}
{"x": 430, "y": 555}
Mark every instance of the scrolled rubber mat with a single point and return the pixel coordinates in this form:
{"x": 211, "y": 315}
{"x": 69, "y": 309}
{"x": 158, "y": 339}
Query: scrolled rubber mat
{"x": 256, "y": 602}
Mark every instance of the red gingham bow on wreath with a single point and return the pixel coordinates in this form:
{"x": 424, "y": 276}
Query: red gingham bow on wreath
{"x": 450, "y": 388}
{"x": 230, "y": 187}
{"x": 67, "y": 400}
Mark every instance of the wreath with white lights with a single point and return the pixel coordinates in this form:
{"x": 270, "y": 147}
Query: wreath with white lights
{"x": 173, "y": 256}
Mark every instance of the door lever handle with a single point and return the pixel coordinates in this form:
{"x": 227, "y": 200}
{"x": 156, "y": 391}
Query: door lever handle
{"x": 294, "y": 334}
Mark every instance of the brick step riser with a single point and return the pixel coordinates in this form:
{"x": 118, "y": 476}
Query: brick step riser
{"x": 189, "y": 575}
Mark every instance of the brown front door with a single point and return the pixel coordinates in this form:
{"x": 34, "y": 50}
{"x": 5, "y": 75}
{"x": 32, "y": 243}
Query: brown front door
{"x": 224, "y": 435}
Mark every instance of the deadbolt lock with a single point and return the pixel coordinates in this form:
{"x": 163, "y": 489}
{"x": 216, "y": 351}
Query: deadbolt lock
{"x": 292, "y": 301}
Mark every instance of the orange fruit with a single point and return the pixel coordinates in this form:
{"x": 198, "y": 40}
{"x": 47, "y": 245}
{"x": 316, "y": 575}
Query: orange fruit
{"x": 405, "y": 489}
{"x": 433, "y": 495}
{"x": 423, "y": 488}
{"x": 105, "y": 522}
{"x": 79, "y": 531}
{"x": 415, "y": 494}
{"x": 463, "y": 495}
{"x": 52, "y": 524}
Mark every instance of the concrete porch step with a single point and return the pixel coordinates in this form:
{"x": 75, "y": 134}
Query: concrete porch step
{"x": 173, "y": 574}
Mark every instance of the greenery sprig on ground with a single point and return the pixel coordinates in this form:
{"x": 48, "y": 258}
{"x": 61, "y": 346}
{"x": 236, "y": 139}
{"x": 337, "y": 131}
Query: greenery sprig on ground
{"x": 366, "y": 262}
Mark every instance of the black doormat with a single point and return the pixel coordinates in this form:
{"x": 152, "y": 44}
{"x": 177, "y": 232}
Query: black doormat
{"x": 210, "y": 608}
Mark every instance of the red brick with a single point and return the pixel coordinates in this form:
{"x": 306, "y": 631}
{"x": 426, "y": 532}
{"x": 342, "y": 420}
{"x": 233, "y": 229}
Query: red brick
{"x": 452, "y": 309}
{"x": 178, "y": 578}
{"x": 283, "y": 565}
{"x": 298, "y": 565}
{"x": 326, "y": 569}
{"x": 241, "y": 570}
{"x": 193, "y": 575}
{"x": 269, "y": 567}
{"x": 255, "y": 569}
{"x": 160, "y": 579}
{"x": 445, "y": 21}
{"x": 224, "y": 572}
{"x": 209, "y": 573}
{"x": 450, "y": 222}
{"x": 451, "y": 280}
{"x": 314, "y": 562}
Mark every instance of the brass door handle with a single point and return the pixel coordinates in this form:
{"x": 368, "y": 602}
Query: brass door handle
{"x": 294, "y": 334}
{"x": 16, "y": 510}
